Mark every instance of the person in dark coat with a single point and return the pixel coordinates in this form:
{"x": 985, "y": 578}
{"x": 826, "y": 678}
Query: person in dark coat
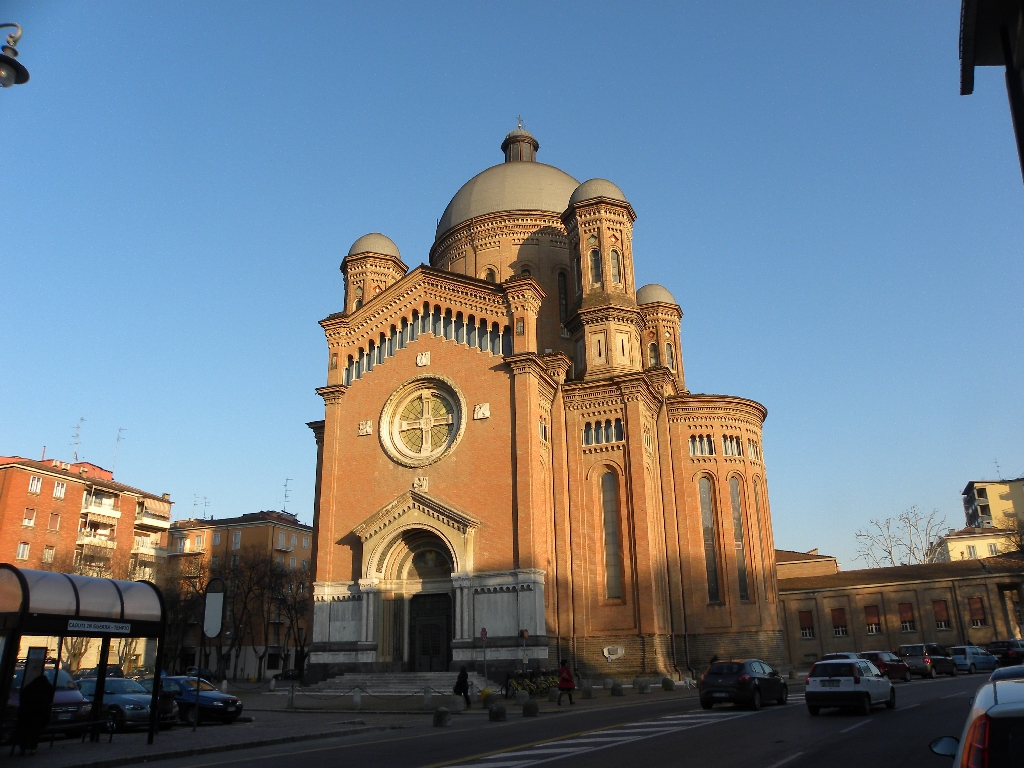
{"x": 33, "y": 713}
{"x": 566, "y": 682}
{"x": 462, "y": 686}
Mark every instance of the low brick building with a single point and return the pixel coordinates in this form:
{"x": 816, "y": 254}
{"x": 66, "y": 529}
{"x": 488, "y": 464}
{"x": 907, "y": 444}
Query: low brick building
{"x": 953, "y": 603}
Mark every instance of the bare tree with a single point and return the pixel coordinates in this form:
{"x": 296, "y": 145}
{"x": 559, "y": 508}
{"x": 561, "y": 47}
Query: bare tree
{"x": 1013, "y": 536}
{"x": 294, "y": 609}
{"x": 907, "y": 539}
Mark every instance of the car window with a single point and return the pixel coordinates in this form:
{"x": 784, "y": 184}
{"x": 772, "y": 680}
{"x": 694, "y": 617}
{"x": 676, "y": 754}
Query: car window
{"x": 959, "y": 652}
{"x": 190, "y": 685}
{"x": 872, "y": 669}
{"x": 724, "y": 669}
{"x": 170, "y": 686}
{"x": 911, "y": 650}
{"x": 121, "y": 685}
{"x": 832, "y": 669}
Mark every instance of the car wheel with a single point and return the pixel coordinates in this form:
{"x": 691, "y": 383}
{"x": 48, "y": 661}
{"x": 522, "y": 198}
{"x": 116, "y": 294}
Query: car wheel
{"x": 755, "y": 700}
{"x": 192, "y": 716}
{"x": 907, "y": 676}
{"x": 865, "y": 705}
{"x": 814, "y": 709}
{"x": 784, "y": 696}
{"x": 706, "y": 703}
{"x": 932, "y": 673}
{"x": 972, "y": 669}
{"x": 890, "y": 703}
{"x": 953, "y": 670}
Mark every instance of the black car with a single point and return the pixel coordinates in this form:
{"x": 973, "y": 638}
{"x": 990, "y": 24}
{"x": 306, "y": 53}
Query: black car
{"x": 1007, "y": 651}
{"x": 749, "y": 682}
{"x": 927, "y": 659}
{"x": 213, "y": 705}
{"x": 112, "y": 671}
{"x": 289, "y": 674}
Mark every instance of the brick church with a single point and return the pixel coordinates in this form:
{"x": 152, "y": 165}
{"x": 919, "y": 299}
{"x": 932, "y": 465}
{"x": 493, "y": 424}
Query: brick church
{"x": 509, "y": 445}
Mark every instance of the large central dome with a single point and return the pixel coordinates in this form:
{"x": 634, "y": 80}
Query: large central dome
{"x": 518, "y": 184}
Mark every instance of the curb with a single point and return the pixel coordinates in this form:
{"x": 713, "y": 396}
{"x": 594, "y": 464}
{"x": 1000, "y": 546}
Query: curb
{"x": 173, "y": 755}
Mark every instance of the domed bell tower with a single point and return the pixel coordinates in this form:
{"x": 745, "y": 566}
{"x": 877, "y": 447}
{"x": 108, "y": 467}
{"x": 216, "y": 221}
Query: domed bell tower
{"x": 372, "y": 264}
{"x": 606, "y": 327}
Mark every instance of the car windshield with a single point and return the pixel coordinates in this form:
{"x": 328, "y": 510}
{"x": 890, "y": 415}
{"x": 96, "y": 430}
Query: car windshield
{"x": 999, "y": 644}
{"x": 116, "y": 686}
{"x": 832, "y": 669}
{"x": 959, "y": 651}
{"x": 64, "y": 681}
{"x": 725, "y": 669}
{"x": 191, "y": 685}
{"x": 911, "y": 650}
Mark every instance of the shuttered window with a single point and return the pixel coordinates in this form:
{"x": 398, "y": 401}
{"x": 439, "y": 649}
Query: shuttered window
{"x": 806, "y": 624}
{"x": 907, "y": 617}
{"x": 977, "y": 608}
{"x": 839, "y": 622}
{"x": 871, "y": 619}
{"x": 941, "y": 614}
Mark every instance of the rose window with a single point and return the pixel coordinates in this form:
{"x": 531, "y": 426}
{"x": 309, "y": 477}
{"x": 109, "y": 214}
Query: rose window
{"x": 423, "y": 422}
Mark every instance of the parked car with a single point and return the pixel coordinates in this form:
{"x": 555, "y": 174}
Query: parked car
{"x": 927, "y": 659}
{"x": 289, "y": 674}
{"x": 203, "y": 672}
{"x": 213, "y": 705}
{"x": 1007, "y": 651}
{"x": 889, "y": 664}
{"x": 1016, "y": 672}
{"x": 993, "y": 731}
{"x": 971, "y": 659}
{"x": 112, "y": 671}
{"x": 141, "y": 673}
{"x": 839, "y": 655}
{"x": 850, "y": 683}
{"x": 70, "y": 709}
{"x": 127, "y": 704}
{"x": 749, "y": 682}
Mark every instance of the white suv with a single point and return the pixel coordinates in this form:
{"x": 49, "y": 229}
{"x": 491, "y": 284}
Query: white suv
{"x": 994, "y": 729}
{"x": 848, "y": 683}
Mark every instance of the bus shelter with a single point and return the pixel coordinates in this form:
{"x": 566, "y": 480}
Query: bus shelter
{"x": 61, "y": 605}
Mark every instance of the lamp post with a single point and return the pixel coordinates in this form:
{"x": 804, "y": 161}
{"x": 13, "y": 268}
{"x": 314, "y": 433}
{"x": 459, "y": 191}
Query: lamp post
{"x": 12, "y": 71}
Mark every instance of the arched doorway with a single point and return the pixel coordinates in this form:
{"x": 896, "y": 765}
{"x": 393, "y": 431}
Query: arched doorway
{"x": 430, "y": 632}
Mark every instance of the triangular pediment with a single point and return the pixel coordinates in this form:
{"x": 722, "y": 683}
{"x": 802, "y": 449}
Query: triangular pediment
{"x": 412, "y": 502}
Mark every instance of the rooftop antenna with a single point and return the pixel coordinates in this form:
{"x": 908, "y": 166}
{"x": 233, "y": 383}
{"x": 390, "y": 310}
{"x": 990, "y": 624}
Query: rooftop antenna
{"x": 206, "y": 505}
{"x": 195, "y": 500}
{"x": 76, "y": 437}
{"x": 117, "y": 442}
{"x": 286, "y": 493}
{"x": 999, "y": 472}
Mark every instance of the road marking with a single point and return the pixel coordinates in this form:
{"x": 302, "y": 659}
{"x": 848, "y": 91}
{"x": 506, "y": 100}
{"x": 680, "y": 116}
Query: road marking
{"x": 858, "y": 725}
{"x": 909, "y": 706}
{"x": 785, "y": 760}
{"x": 954, "y": 695}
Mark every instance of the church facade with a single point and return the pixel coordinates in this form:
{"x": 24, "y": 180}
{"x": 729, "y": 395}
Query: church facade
{"x": 509, "y": 450}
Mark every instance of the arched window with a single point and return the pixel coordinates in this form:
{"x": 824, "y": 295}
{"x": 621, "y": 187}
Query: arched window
{"x": 437, "y": 321}
{"x": 371, "y": 355}
{"x": 653, "y": 354}
{"x": 598, "y": 432}
{"x": 609, "y": 434}
{"x": 490, "y": 277}
{"x": 616, "y": 267}
{"x": 618, "y": 430}
{"x": 495, "y": 339}
{"x": 563, "y": 297}
{"x": 595, "y": 266}
{"x": 393, "y": 342}
{"x": 693, "y": 445}
{"x": 707, "y": 520}
{"x": 361, "y": 364}
{"x": 670, "y": 356}
{"x": 482, "y": 336}
{"x": 349, "y": 369}
{"x": 403, "y": 335}
{"x": 460, "y": 329}
{"x": 425, "y": 319}
{"x": 588, "y": 434}
{"x": 612, "y": 547}
{"x": 506, "y": 341}
{"x": 382, "y": 348}
{"x": 359, "y": 303}
{"x": 526, "y": 272}
{"x": 471, "y": 331}
{"x": 737, "y": 527}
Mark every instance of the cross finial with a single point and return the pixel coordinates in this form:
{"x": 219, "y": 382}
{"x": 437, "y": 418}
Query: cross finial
{"x": 519, "y": 120}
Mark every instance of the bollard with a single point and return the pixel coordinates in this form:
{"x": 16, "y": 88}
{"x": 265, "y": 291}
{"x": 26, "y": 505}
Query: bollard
{"x": 530, "y": 708}
{"x": 428, "y": 699}
{"x": 588, "y": 691}
{"x": 617, "y": 689}
{"x": 291, "y": 697}
{"x": 522, "y": 697}
{"x": 636, "y": 682}
{"x": 608, "y": 683}
{"x": 457, "y": 703}
{"x": 273, "y": 683}
{"x": 223, "y": 686}
{"x": 552, "y": 694}
{"x": 357, "y": 699}
{"x": 496, "y": 713}
{"x": 645, "y": 687}
{"x": 442, "y": 718}
{"x": 490, "y": 699}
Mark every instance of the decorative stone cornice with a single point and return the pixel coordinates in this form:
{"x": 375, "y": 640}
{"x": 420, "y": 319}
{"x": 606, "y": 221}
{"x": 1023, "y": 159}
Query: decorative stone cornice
{"x": 531, "y": 363}
{"x": 604, "y": 313}
{"x": 524, "y": 294}
{"x": 421, "y": 502}
{"x": 557, "y": 365}
{"x": 378, "y": 260}
{"x": 332, "y": 394}
{"x": 611, "y": 393}
{"x": 486, "y": 232}
{"x": 686, "y": 406}
{"x": 661, "y": 310}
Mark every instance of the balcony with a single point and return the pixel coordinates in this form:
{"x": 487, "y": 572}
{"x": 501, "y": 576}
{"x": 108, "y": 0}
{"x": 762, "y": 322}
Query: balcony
{"x": 151, "y": 520}
{"x": 146, "y": 549}
{"x": 87, "y": 539}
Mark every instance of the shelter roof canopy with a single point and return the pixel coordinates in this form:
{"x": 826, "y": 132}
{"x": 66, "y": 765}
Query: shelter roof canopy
{"x": 61, "y": 594}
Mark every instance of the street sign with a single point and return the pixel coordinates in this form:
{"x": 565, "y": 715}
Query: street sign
{"x": 483, "y": 634}
{"x": 214, "y": 612}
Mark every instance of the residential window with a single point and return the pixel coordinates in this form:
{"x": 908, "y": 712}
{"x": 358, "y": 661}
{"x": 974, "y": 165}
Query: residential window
{"x": 806, "y": 625}
{"x": 216, "y": 539}
{"x": 295, "y": 540}
{"x": 54, "y": 524}
{"x": 291, "y": 563}
{"x": 737, "y": 527}
{"x": 236, "y": 539}
{"x": 707, "y": 517}
{"x": 35, "y": 484}
{"x": 48, "y": 553}
{"x": 29, "y": 518}
{"x": 872, "y": 620}
{"x": 234, "y": 561}
{"x": 972, "y": 551}
{"x": 595, "y": 267}
{"x": 280, "y": 559}
{"x": 977, "y": 608}
{"x": 907, "y": 617}
{"x": 839, "y": 622}
{"x": 281, "y": 540}
{"x": 993, "y": 549}
{"x": 181, "y": 544}
{"x": 200, "y": 541}
{"x": 305, "y": 565}
{"x": 305, "y": 542}
{"x": 941, "y": 610}
{"x": 215, "y": 561}
{"x": 612, "y": 559}
{"x": 22, "y": 550}
{"x": 59, "y": 489}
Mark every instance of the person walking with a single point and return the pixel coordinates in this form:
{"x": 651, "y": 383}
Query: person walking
{"x": 462, "y": 686}
{"x": 566, "y": 682}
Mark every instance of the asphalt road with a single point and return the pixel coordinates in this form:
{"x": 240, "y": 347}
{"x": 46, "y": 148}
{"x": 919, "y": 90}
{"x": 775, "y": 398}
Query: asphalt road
{"x": 657, "y": 733}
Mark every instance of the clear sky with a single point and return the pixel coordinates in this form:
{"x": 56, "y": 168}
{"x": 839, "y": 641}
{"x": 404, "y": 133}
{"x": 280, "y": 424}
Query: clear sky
{"x": 842, "y": 230}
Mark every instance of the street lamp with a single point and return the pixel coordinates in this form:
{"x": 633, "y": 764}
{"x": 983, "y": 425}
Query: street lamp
{"x": 12, "y": 71}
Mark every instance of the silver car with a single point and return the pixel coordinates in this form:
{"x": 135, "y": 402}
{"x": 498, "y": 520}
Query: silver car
{"x": 127, "y": 703}
{"x": 994, "y": 729}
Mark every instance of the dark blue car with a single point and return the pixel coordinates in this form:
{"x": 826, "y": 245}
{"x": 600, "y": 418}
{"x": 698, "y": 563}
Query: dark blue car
{"x": 213, "y": 705}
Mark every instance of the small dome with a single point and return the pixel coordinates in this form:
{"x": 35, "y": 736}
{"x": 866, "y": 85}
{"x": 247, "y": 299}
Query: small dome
{"x": 588, "y": 190}
{"x": 375, "y": 242}
{"x": 653, "y": 292}
{"x": 519, "y": 132}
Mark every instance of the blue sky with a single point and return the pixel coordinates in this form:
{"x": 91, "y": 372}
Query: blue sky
{"x": 842, "y": 229}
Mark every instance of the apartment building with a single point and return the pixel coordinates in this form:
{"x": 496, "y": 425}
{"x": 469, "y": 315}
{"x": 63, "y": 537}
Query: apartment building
{"x": 74, "y": 517}
{"x": 994, "y": 503}
{"x": 971, "y": 544}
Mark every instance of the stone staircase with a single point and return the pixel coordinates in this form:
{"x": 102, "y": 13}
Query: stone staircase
{"x": 399, "y": 683}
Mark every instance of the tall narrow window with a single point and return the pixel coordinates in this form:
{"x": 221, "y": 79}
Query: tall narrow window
{"x": 588, "y": 434}
{"x": 595, "y": 267}
{"x": 618, "y": 430}
{"x": 870, "y": 617}
{"x": 490, "y": 277}
{"x": 941, "y": 610}
{"x": 670, "y": 357}
{"x": 977, "y": 608}
{"x": 612, "y": 556}
{"x": 653, "y": 355}
{"x": 737, "y": 527}
{"x": 707, "y": 519}
{"x": 806, "y": 624}
{"x": 563, "y": 297}
{"x": 616, "y": 267}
